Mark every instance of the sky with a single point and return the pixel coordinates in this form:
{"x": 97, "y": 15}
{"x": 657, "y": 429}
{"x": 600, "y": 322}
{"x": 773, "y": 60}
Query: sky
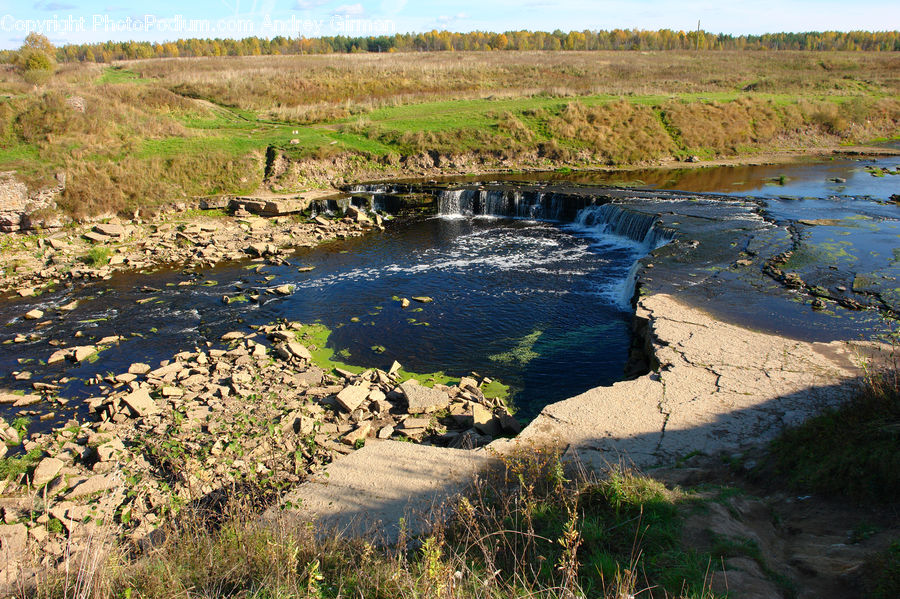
{"x": 74, "y": 21}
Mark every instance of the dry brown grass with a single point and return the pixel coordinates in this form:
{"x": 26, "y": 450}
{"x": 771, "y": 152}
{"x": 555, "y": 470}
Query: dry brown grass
{"x": 618, "y": 133}
{"x": 725, "y": 127}
{"x": 279, "y": 84}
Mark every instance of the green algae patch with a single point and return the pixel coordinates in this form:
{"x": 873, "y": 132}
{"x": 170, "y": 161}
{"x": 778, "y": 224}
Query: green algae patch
{"x": 522, "y": 353}
{"x": 315, "y": 338}
{"x": 496, "y": 390}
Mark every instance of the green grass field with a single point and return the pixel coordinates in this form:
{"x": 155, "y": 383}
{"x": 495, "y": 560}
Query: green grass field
{"x": 154, "y": 130}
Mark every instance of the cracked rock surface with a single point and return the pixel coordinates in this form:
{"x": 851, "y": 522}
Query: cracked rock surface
{"x": 719, "y": 387}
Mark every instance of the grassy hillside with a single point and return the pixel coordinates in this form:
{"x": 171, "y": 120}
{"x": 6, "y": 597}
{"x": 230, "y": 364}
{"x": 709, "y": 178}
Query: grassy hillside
{"x": 136, "y": 134}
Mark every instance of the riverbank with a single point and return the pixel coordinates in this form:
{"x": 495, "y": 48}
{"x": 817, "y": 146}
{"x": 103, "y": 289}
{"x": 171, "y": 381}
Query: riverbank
{"x": 191, "y": 234}
{"x": 188, "y": 238}
{"x": 715, "y": 388}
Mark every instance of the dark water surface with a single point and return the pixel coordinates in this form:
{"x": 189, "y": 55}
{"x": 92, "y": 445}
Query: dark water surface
{"x": 535, "y": 305}
{"x": 802, "y": 179}
{"x": 538, "y": 305}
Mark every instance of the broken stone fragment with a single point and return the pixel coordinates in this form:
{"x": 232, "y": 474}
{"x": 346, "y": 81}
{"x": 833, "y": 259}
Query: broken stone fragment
{"x": 46, "y": 471}
{"x": 291, "y": 350}
{"x": 351, "y": 397}
{"x": 110, "y": 229}
{"x": 83, "y": 352}
{"x": 421, "y": 399}
{"x": 140, "y": 403}
{"x": 110, "y": 450}
{"x": 469, "y": 384}
{"x": 357, "y": 434}
{"x": 139, "y": 368}
{"x": 509, "y": 424}
{"x": 94, "y": 484}
{"x": 484, "y": 420}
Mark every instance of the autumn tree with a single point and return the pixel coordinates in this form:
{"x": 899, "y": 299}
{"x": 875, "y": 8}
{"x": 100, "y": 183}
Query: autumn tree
{"x": 36, "y": 59}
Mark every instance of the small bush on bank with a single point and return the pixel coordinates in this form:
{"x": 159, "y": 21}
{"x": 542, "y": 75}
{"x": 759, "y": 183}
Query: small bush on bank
{"x": 852, "y": 451}
{"x": 97, "y": 256}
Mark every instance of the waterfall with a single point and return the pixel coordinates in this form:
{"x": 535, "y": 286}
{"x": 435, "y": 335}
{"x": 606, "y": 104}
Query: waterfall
{"x": 513, "y": 203}
{"x": 614, "y": 219}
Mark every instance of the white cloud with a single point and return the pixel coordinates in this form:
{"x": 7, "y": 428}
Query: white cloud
{"x": 392, "y": 7}
{"x": 310, "y": 4}
{"x": 445, "y": 20}
{"x": 350, "y": 10}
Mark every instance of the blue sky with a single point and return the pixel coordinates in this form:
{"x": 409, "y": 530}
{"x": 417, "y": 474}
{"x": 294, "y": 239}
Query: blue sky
{"x": 68, "y": 21}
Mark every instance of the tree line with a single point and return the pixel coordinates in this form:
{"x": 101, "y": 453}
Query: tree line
{"x": 448, "y": 41}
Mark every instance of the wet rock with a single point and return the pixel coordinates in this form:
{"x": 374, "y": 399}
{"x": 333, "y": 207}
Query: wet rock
{"x": 404, "y": 303}
{"x": 423, "y": 299}
{"x": 139, "y": 368}
{"x": 284, "y": 289}
{"x": 58, "y": 356}
{"x": 46, "y": 470}
{"x": 81, "y": 353}
{"x": 34, "y": 314}
{"x": 421, "y": 399}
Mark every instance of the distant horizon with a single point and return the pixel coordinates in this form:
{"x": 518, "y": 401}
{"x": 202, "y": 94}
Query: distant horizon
{"x": 92, "y": 22}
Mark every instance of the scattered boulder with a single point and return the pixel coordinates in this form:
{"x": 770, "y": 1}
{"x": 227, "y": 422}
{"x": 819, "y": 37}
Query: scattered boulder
{"x": 351, "y": 397}
{"x": 357, "y": 434}
{"x": 421, "y": 399}
{"x": 94, "y": 484}
{"x": 139, "y": 368}
{"x": 140, "y": 403}
{"x": 110, "y": 229}
{"x": 83, "y": 352}
{"x": 484, "y": 420}
{"x": 46, "y": 470}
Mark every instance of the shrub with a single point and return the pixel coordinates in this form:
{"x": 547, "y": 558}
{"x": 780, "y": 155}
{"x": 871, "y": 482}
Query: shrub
{"x": 34, "y": 60}
{"x": 852, "y": 451}
{"x": 97, "y": 256}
